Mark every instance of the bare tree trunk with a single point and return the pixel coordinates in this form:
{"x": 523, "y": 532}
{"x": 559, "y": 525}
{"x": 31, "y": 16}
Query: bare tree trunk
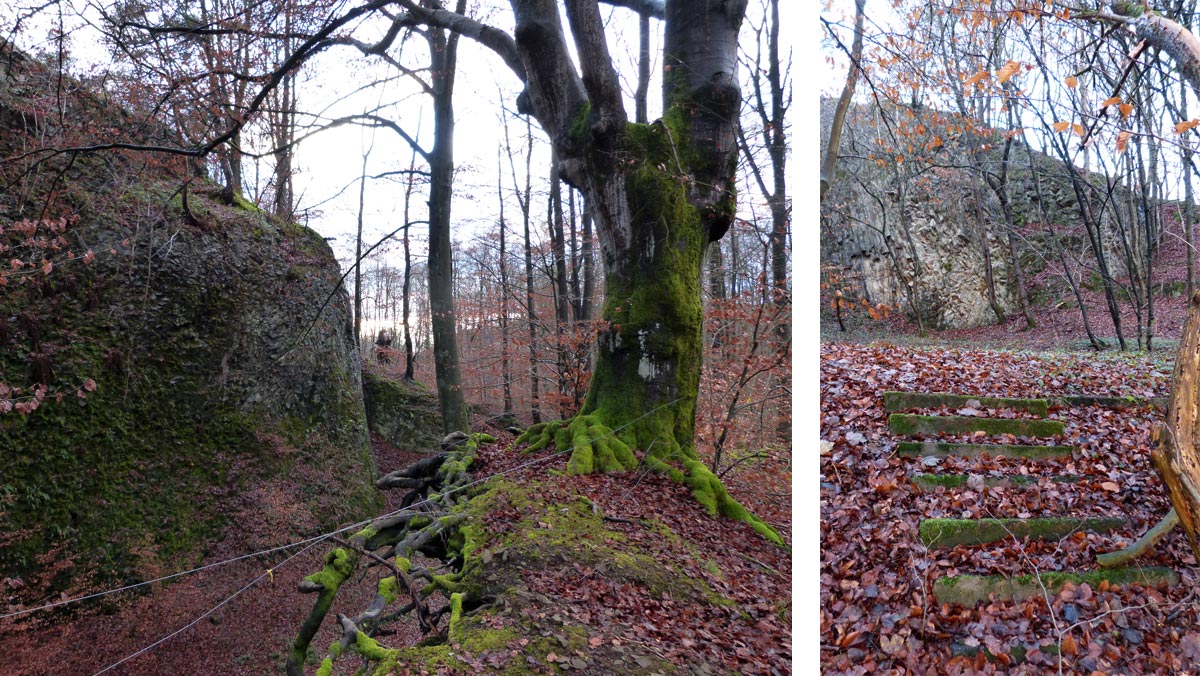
{"x": 523, "y": 198}
{"x": 985, "y": 249}
{"x": 1062, "y": 259}
{"x": 589, "y": 267}
{"x": 409, "y": 357}
{"x": 562, "y": 318}
{"x": 829, "y": 163}
{"x": 505, "y": 371}
{"x": 362, "y": 191}
{"x": 643, "y": 86}
{"x": 443, "y": 61}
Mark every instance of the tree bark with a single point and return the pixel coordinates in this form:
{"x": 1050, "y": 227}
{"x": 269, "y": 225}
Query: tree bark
{"x": 443, "y": 61}
{"x": 562, "y": 315}
{"x": 358, "y": 255}
{"x": 505, "y": 371}
{"x": 829, "y": 163}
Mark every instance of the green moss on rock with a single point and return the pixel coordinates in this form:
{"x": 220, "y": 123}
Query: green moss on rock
{"x": 951, "y": 532}
{"x": 930, "y": 449}
{"x": 405, "y": 414}
{"x": 902, "y": 423}
{"x": 970, "y": 590}
{"x": 902, "y": 401}
{"x": 206, "y": 390}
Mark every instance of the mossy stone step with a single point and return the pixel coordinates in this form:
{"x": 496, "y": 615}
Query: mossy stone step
{"x": 970, "y": 590}
{"x": 950, "y": 532}
{"x": 926, "y": 449}
{"x": 930, "y": 482}
{"x": 1107, "y": 402}
{"x": 903, "y": 423}
{"x": 902, "y": 401}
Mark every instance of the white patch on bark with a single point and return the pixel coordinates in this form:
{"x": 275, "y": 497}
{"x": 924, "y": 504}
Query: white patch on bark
{"x": 646, "y": 367}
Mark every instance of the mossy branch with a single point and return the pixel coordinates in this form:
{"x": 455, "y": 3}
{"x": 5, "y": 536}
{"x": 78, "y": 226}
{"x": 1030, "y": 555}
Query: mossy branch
{"x": 428, "y": 527}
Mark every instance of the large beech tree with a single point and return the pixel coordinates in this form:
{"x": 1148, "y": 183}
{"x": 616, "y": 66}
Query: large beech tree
{"x": 659, "y": 193}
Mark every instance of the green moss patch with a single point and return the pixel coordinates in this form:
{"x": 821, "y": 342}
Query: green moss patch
{"x": 902, "y": 423}
{"x": 951, "y": 532}
{"x": 931, "y": 482}
{"x": 405, "y": 414}
{"x": 1108, "y": 402}
{"x": 969, "y": 590}
{"x": 903, "y": 401}
{"x": 210, "y": 405}
{"x": 945, "y": 450}
{"x": 511, "y": 632}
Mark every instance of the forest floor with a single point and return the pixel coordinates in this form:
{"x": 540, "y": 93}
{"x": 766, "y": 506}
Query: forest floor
{"x": 189, "y": 627}
{"x": 877, "y": 610}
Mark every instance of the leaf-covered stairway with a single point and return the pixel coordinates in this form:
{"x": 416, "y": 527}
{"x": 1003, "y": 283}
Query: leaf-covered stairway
{"x": 1027, "y": 421}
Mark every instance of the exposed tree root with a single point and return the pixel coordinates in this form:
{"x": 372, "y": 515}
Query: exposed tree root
{"x": 1143, "y": 544}
{"x": 596, "y": 447}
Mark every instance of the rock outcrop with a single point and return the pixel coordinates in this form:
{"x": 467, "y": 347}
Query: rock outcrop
{"x": 405, "y": 414}
{"x": 903, "y": 216}
{"x": 198, "y": 379}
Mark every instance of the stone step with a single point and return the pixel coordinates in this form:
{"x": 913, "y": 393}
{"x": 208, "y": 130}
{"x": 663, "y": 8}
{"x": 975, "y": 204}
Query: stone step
{"x": 1108, "y": 402}
{"x": 928, "y": 483}
{"x": 902, "y": 401}
{"x": 970, "y": 590}
{"x": 934, "y": 449}
{"x": 950, "y": 532}
{"x": 903, "y": 423}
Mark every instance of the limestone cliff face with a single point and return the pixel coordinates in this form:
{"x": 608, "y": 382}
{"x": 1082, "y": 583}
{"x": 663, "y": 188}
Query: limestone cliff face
{"x": 896, "y": 225}
{"x": 225, "y": 411}
{"x": 910, "y": 232}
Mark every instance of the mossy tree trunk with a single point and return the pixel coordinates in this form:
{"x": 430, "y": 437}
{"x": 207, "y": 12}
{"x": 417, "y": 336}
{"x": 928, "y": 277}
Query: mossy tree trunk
{"x": 658, "y": 193}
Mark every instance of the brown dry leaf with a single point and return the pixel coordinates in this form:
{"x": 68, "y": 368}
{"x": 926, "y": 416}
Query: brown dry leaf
{"x": 1189, "y": 646}
{"x": 892, "y": 645}
{"x": 1007, "y": 71}
{"x": 1110, "y": 487}
{"x": 1072, "y": 81}
{"x": 1069, "y": 647}
{"x": 1123, "y": 140}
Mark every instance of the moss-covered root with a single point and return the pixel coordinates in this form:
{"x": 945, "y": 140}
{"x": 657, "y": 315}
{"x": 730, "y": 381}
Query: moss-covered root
{"x": 339, "y": 565}
{"x": 711, "y": 493}
{"x": 594, "y": 446}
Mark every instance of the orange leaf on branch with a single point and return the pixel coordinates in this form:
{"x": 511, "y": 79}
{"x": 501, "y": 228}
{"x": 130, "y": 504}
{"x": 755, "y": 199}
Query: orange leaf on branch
{"x": 1007, "y": 71}
{"x": 1123, "y": 140}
